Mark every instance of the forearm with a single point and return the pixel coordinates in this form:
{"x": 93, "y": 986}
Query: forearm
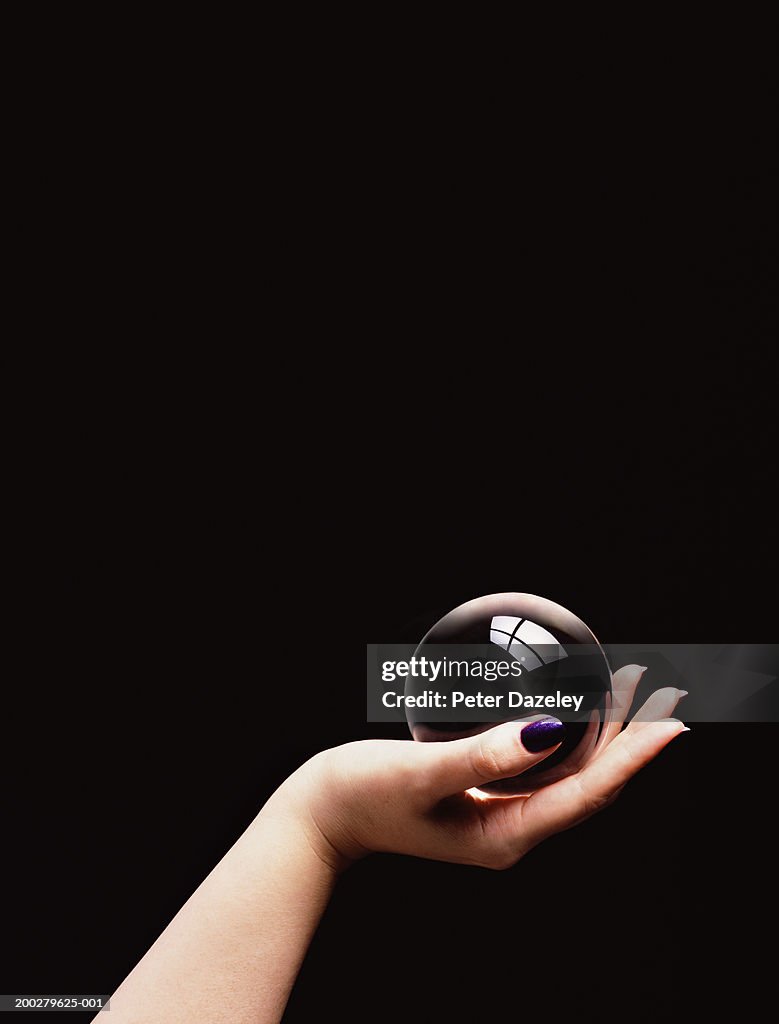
{"x": 233, "y": 951}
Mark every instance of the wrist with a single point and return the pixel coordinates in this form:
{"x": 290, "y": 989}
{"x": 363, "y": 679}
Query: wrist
{"x": 315, "y": 805}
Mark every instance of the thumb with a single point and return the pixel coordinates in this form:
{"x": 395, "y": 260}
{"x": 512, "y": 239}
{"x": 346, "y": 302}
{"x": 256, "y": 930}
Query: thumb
{"x": 508, "y": 749}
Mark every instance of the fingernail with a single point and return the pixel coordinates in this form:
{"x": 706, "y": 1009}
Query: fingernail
{"x": 542, "y": 734}
{"x": 676, "y": 721}
{"x": 683, "y": 693}
{"x": 643, "y": 667}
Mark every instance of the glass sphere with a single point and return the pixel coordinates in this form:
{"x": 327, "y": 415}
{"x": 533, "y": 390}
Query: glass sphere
{"x": 558, "y": 655}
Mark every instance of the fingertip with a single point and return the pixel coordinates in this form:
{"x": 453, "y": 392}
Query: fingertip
{"x": 676, "y": 722}
{"x": 647, "y": 739}
{"x": 638, "y": 669}
{"x": 657, "y": 708}
{"x": 628, "y": 675}
{"x": 666, "y": 730}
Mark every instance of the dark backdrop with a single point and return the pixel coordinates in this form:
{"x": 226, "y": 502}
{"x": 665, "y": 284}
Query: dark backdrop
{"x": 150, "y": 731}
{"x": 585, "y": 411}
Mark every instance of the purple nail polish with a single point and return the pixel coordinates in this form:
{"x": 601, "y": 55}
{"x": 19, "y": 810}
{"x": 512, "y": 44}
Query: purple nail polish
{"x": 542, "y": 734}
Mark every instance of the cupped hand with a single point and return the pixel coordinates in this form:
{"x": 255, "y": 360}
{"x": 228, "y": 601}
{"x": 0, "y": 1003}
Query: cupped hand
{"x": 422, "y": 799}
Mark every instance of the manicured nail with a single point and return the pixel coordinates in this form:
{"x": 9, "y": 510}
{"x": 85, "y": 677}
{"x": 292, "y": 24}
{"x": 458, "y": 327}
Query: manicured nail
{"x": 676, "y": 721}
{"x": 542, "y": 734}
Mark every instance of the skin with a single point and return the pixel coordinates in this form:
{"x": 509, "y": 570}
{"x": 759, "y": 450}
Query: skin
{"x": 232, "y": 953}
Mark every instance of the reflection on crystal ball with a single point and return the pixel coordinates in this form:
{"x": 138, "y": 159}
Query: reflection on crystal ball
{"x": 559, "y": 656}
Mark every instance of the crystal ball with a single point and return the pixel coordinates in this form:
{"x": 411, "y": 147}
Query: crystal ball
{"x": 553, "y": 665}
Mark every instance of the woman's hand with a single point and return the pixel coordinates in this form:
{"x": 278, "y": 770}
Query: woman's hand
{"x": 233, "y": 951}
{"x": 403, "y": 797}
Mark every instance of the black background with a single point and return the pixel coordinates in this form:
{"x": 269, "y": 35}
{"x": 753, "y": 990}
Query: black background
{"x": 118, "y": 814}
{"x": 582, "y": 407}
